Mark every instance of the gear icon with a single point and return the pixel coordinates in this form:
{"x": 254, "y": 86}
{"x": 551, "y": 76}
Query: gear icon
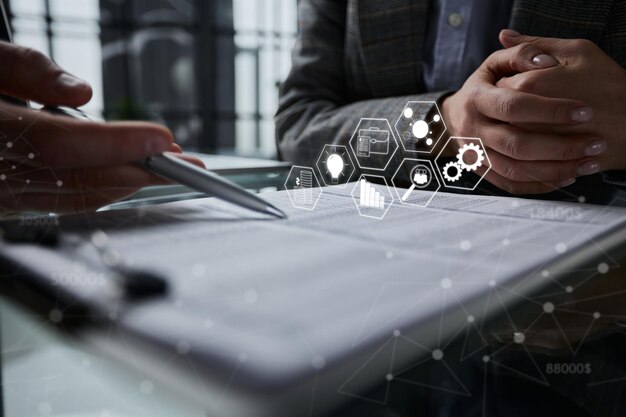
{"x": 480, "y": 157}
{"x": 452, "y": 177}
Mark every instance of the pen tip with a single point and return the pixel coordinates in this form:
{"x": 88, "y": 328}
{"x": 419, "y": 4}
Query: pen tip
{"x": 276, "y": 212}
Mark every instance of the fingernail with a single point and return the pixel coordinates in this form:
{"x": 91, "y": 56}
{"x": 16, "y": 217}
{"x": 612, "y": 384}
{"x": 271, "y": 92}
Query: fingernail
{"x": 596, "y": 148}
{"x": 511, "y": 33}
{"x": 567, "y": 183}
{"x": 69, "y": 81}
{"x": 582, "y": 115}
{"x": 545, "y": 61}
{"x": 588, "y": 168}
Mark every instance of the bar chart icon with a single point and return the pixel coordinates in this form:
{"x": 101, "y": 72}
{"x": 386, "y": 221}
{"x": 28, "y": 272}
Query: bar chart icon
{"x": 370, "y": 197}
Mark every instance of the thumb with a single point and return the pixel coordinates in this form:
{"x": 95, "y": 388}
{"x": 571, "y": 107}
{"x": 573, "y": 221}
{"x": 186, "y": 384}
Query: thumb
{"x": 30, "y": 75}
{"x": 510, "y": 38}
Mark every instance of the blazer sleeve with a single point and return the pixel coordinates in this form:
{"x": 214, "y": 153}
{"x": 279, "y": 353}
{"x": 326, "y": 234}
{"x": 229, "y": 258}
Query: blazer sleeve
{"x": 315, "y": 106}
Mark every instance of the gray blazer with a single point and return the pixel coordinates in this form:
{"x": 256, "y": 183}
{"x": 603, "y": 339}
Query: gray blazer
{"x": 363, "y": 58}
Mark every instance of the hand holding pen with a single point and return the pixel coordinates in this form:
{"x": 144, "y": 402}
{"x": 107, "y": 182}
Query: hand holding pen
{"x": 56, "y": 164}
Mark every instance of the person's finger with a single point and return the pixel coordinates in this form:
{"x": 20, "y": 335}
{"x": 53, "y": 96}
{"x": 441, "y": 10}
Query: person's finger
{"x": 62, "y": 143}
{"x": 515, "y": 60}
{"x": 510, "y": 38}
{"x": 541, "y": 171}
{"x": 523, "y": 145}
{"x": 30, "y": 75}
{"x": 516, "y": 107}
{"x": 524, "y": 188}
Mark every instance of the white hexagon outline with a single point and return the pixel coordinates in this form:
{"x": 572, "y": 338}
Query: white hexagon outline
{"x": 443, "y": 150}
{"x": 358, "y": 184}
{"x": 391, "y": 134}
{"x": 317, "y": 165}
{"x": 419, "y": 161}
{"x": 432, "y": 148}
{"x": 289, "y": 190}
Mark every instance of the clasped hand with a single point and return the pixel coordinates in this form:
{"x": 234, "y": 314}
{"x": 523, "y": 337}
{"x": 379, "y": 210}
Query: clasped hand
{"x": 548, "y": 111}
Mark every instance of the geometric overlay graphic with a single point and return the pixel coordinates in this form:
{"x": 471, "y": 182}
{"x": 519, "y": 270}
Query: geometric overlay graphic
{"x": 374, "y": 144}
{"x": 420, "y": 126}
{"x": 303, "y": 187}
{"x": 335, "y": 165}
{"x": 469, "y": 165}
{"x": 372, "y": 196}
{"x": 424, "y": 182}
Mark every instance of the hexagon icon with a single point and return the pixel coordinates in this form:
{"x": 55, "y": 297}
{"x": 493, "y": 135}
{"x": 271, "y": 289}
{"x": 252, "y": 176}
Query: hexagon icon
{"x": 467, "y": 168}
{"x": 374, "y": 144}
{"x": 372, "y": 196}
{"x": 420, "y": 127}
{"x": 424, "y": 182}
{"x": 335, "y": 165}
{"x": 303, "y": 187}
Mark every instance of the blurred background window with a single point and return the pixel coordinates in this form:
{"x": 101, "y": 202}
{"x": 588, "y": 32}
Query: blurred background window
{"x": 210, "y": 70}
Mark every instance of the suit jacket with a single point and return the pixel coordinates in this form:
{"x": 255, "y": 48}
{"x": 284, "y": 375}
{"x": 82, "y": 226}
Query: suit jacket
{"x": 363, "y": 58}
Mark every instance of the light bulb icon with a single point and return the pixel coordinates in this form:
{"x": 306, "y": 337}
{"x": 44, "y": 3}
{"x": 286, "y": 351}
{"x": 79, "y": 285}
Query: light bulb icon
{"x": 335, "y": 166}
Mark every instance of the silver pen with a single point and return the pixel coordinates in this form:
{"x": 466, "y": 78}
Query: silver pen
{"x": 169, "y": 166}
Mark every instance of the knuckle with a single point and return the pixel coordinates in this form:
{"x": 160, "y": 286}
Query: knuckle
{"x": 507, "y": 107}
{"x": 513, "y": 146}
{"x": 526, "y": 83}
{"x": 582, "y": 44}
{"x": 510, "y": 171}
{"x": 568, "y": 153}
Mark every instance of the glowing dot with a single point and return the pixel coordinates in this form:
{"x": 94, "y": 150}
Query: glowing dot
{"x": 3, "y": 177}
{"x": 446, "y": 283}
{"x": 389, "y": 377}
{"x": 208, "y": 323}
{"x": 582, "y": 199}
{"x": 59, "y": 183}
{"x": 561, "y": 248}
{"x": 514, "y": 204}
{"x": 27, "y": 181}
{"x": 471, "y": 319}
{"x": 506, "y": 242}
{"x": 9, "y": 145}
{"x": 13, "y": 167}
{"x": 396, "y": 333}
{"x": 548, "y": 308}
{"x": 436, "y": 118}
{"x": 492, "y": 283}
{"x": 603, "y": 268}
{"x": 420, "y": 129}
{"x": 569, "y": 289}
{"x": 318, "y": 362}
{"x": 389, "y": 255}
{"x": 466, "y": 245}
{"x": 31, "y": 156}
{"x": 545, "y": 273}
{"x": 437, "y": 354}
{"x": 19, "y": 118}
{"x": 519, "y": 337}
{"x": 55, "y": 316}
{"x": 429, "y": 142}
{"x": 242, "y": 357}
{"x": 408, "y": 112}
{"x": 486, "y": 359}
{"x": 596, "y": 315}
{"x": 146, "y": 387}
{"x": 250, "y": 296}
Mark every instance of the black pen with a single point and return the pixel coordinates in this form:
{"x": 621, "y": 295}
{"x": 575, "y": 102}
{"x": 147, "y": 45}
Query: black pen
{"x": 169, "y": 166}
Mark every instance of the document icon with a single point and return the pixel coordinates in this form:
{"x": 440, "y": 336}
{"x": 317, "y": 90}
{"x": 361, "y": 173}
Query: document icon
{"x": 372, "y": 141}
